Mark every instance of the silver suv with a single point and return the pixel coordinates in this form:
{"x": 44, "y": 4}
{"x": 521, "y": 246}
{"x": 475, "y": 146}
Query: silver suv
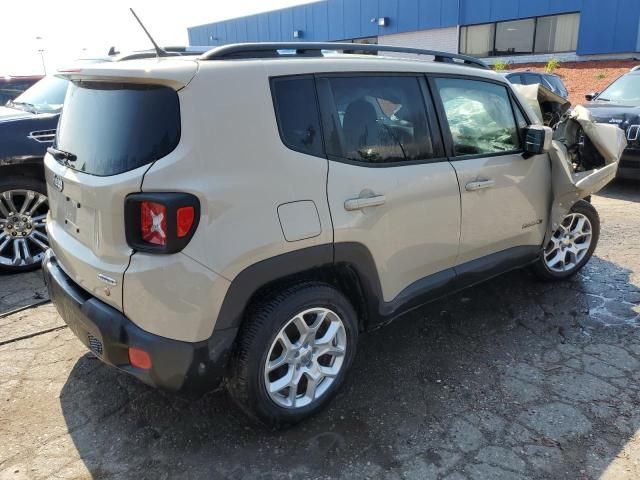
{"x": 246, "y": 214}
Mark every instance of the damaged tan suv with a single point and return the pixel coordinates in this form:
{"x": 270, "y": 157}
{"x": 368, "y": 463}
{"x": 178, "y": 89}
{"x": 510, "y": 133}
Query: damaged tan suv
{"x": 246, "y": 214}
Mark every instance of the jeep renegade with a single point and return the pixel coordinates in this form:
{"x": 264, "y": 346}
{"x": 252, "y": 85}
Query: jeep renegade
{"x": 246, "y": 214}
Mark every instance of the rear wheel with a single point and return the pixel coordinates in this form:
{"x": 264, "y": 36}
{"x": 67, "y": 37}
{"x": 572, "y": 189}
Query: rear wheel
{"x": 23, "y": 213}
{"x": 293, "y": 354}
{"x": 571, "y": 245}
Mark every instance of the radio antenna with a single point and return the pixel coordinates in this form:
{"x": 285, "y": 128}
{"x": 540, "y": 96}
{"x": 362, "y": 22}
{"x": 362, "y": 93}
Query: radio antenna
{"x": 160, "y": 52}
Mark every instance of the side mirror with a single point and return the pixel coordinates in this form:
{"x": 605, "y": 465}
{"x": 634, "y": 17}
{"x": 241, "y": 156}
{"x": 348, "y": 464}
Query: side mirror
{"x": 537, "y": 140}
{"x": 591, "y": 96}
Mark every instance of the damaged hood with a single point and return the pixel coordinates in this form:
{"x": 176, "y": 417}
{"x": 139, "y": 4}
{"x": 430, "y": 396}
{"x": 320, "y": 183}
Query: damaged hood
{"x": 548, "y": 106}
{"x": 609, "y": 140}
{"x": 586, "y": 148}
{"x": 584, "y": 158}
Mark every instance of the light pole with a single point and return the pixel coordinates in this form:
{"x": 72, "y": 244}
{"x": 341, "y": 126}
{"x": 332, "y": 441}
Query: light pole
{"x": 41, "y": 52}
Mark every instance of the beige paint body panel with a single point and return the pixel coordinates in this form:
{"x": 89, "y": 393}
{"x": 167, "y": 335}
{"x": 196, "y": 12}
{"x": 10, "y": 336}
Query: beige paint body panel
{"x": 414, "y": 233}
{"x": 299, "y": 220}
{"x": 173, "y": 296}
{"x": 513, "y": 212}
{"x": 240, "y": 173}
{"x": 86, "y": 227}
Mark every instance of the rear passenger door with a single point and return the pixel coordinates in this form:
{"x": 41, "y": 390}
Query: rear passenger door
{"x": 505, "y": 197}
{"x": 390, "y": 187}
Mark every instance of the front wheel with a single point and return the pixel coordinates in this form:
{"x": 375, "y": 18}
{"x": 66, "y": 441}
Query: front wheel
{"x": 23, "y": 213}
{"x": 571, "y": 245}
{"x": 293, "y": 353}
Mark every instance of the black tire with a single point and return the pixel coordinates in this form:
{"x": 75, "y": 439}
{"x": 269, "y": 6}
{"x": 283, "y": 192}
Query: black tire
{"x": 18, "y": 183}
{"x": 263, "y": 322}
{"x": 541, "y": 269}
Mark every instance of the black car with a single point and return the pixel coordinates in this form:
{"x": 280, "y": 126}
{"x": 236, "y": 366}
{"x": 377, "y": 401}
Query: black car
{"x": 27, "y": 127}
{"x": 11, "y": 87}
{"x": 619, "y": 104}
{"x": 549, "y": 80}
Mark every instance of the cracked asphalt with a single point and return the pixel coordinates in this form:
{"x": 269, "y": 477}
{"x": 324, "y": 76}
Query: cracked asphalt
{"x": 511, "y": 379}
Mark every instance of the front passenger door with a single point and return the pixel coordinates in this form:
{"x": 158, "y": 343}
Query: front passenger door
{"x": 505, "y": 197}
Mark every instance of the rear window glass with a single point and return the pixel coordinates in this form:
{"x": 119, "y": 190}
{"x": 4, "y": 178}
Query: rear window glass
{"x": 376, "y": 119}
{"x": 113, "y": 128}
{"x": 297, "y": 113}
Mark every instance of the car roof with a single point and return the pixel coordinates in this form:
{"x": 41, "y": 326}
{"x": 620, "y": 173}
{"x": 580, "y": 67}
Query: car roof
{"x": 179, "y": 70}
{"x": 350, "y": 63}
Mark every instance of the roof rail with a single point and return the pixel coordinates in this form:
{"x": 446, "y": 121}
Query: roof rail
{"x": 274, "y": 50}
{"x": 174, "y": 51}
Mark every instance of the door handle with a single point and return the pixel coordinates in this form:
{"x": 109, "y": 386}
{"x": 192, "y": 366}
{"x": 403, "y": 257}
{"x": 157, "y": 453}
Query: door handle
{"x": 479, "y": 185}
{"x": 364, "y": 202}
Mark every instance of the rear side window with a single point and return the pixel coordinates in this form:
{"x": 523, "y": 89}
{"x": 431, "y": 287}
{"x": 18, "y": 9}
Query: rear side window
{"x": 530, "y": 79}
{"x": 375, "y": 119}
{"x": 480, "y": 116}
{"x": 297, "y": 114}
{"x": 517, "y": 79}
{"x": 557, "y": 84}
{"x": 112, "y": 128}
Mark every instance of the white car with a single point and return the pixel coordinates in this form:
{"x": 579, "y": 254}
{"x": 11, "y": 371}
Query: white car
{"x": 246, "y": 214}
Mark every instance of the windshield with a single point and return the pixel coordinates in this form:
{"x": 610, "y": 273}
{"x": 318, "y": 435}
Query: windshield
{"x": 625, "y": 91}
{"x": 46, "y": 96}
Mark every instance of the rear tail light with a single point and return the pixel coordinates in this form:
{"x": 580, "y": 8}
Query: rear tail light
{"x": 161, "y": 222}
{"x": 153, "y": 223}
{"x": 186, "y": 216}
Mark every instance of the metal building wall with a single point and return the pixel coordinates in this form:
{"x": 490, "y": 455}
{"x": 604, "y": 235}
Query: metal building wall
{"x": 609, "y": 26}
{"x": 330, "y": 20}
{"x": 606, "y": 26}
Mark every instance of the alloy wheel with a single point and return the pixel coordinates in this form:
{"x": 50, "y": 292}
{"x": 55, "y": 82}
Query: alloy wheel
{"x": 23, "y": 238}
{"x": 569, "y": 243}
{"x": 305, "y": 358}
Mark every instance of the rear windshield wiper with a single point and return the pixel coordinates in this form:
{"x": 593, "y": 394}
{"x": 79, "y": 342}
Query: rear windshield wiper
{"x": 603, "y": 99}
{"x": 61, "y": 156}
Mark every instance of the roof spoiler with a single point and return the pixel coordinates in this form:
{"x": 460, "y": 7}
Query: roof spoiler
{"x": 315, "y": 49}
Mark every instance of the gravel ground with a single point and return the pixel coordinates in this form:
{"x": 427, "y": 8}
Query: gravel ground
{"x": 511, "y": 379}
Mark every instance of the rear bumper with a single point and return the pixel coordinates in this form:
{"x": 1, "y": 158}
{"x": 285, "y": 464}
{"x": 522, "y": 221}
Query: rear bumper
{"x": 109, "y": 334}
{"x": 629, "y": 166}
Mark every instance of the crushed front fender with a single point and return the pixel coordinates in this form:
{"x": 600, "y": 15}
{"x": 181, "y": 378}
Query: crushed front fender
{"x": 570, "y": 181}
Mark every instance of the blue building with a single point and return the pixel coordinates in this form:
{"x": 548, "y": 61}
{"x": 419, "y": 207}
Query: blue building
{"x": 512, "y": 30}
